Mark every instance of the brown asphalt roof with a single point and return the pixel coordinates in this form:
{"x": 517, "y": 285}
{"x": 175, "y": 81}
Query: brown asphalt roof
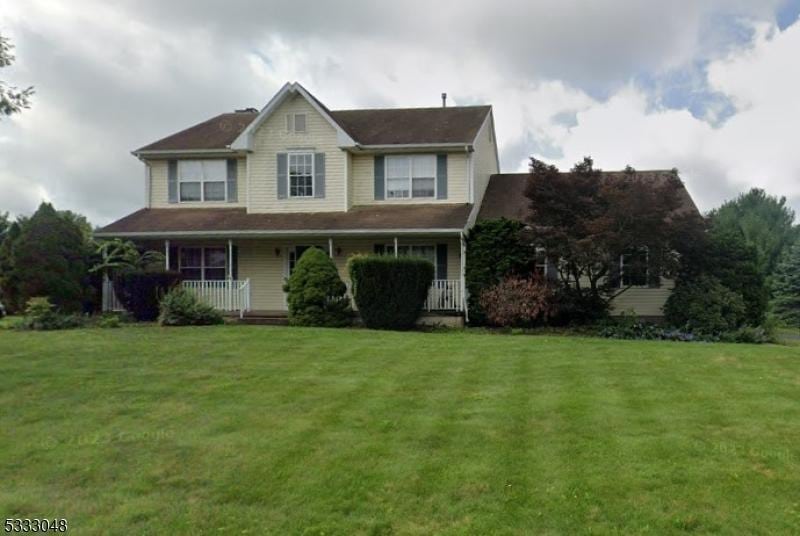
{"x": 505, "y": 195}
{"x": 454, "y": 124}
{"x": 215, "y": 133}
{"x": 232, "y": 220}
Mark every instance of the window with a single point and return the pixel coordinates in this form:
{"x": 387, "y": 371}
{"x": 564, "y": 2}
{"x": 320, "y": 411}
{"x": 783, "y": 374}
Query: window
{"x": 203, "y": 263}
{"x": 540, "y": 266}
{"x": 296, "y": 123}
{"x": 633, "y": 269}
{"x": 301, "y": 175}
{"x": 202, "y": 180}
{"x": 410, "y": 176}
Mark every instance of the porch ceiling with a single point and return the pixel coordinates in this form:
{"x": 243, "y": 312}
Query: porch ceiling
{"x": 230, "y": 222}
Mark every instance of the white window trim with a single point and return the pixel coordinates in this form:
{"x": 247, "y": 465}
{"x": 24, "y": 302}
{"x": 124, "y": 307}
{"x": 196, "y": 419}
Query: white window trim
{"x": 202, "y": 267}
{"x": 203, "y": 181}
{"x": 410, "y": 178}
{"x": 646, "y": 270}
{"x": 546, "y": 265}
{"x": 289, "y": 175}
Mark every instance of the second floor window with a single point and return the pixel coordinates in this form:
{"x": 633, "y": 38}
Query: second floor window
{"x": 410, "y": 176}
{"x": 301, "y": 175}
{"x": 202, "y": 180}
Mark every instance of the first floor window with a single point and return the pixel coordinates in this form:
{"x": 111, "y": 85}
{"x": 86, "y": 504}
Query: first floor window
{"x": 203, "y": 263}
{"x": 301, "y": 175}
{"x": 633, "y": 268}
{"x": 202, "y": 180}
{"x": 410, "y": 176}
{"x": 540, "y": 266}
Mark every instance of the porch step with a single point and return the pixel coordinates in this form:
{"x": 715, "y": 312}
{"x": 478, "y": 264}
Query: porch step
{"x": 256, "y": 318}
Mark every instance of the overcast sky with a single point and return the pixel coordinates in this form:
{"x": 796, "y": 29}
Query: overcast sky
{"x": 711, "y": 87}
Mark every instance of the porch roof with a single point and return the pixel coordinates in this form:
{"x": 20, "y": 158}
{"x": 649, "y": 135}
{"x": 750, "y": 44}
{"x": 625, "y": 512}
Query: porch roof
{"x": 230, "y": 222}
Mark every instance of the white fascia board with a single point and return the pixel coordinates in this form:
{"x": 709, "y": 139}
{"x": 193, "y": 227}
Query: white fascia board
{"x": 184, "y": 152}
{"x": 466, "y": 147}
{"x": 267, "y": 234}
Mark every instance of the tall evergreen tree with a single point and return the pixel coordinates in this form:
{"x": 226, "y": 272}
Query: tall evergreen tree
{"x": 786, "y": 285}
{"x": 49, "y": 258}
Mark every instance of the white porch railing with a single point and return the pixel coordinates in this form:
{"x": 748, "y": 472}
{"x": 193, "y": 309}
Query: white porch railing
{"x": 445, "y": 295}
{"x": 226, "y": 295}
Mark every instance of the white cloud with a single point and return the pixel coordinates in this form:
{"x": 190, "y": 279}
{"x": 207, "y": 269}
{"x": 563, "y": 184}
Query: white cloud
{"x": 755, "y": 147}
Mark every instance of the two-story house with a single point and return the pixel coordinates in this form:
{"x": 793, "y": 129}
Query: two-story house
{"x": 234, "y": 201}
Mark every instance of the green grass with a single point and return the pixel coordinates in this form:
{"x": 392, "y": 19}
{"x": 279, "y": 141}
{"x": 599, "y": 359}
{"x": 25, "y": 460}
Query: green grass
{"x": 240, "y": 429}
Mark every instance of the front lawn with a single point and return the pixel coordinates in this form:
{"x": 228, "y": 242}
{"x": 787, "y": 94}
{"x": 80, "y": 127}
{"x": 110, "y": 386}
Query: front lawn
{"x": 249, "y": 429}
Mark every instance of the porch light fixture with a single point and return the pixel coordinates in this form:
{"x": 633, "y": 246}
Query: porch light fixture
{"x": 338, "y": 252}
{"x": 277, "y": 252}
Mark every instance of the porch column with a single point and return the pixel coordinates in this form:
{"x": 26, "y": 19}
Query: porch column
{"x": 330, "y": 247}
{"x": 166, "y": 255}
{"x": 395, "y": 246}
{"x": 230, "y": 259}
{"x": 463, "y": 278}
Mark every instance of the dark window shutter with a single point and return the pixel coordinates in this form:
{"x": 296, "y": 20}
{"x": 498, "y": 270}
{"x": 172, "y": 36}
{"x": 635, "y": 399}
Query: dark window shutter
{"x": 613, "y": 272}
{"x": 441, "y": 176}
{"x": 379, "y": 179}
{"x": 172, "y": 181}
{"x": 173, "y": 258}
{"x": 235, "y": 262}
{"x": 282, "y": 175}
{"x": 232, "y": 180}
{"x": 441, "y": 261}
{"x": 379, "y": 249}
{"x": 319, "y": 175}
{"x": 653, "y": 275}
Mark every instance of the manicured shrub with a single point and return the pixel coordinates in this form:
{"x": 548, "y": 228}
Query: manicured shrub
{"x": 41, "y": 314}
{"x": 518, "y": 302}
{"x": 141, "y": 292}
{"x": 704, "y": 305}
{"x": 179, "y": 307}
{"x": 495, "y": 249}
{"x": 316, "y": 295}
{"x": 575, "y": 307}
{"x": 390, "y": 291}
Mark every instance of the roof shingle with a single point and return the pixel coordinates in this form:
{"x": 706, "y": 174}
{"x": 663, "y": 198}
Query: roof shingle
{"x": 233, "y": 220}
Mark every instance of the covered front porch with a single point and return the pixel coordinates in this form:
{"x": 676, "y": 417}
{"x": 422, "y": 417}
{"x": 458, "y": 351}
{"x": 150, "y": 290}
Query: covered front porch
{"x": 245, "y": 275}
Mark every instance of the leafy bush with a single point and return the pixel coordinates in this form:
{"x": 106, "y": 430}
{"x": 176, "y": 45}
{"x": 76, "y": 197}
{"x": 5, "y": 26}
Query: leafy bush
{"x": 495, "y": 249}
{"x": 316, "y": 294}
{"x": 40, "y": 314}
{"x": 704, "y": 305}
{"x": 577, "y": 307}
{"x": 140, "y": 292}
{"x": 109, "y": 321}
{"x": 750, "y": 335}
{"x": 179, "y": 307}
{"x": 517, "y": 302}
{"x": 390, "y": 291}
{"x": 631, "y": 328}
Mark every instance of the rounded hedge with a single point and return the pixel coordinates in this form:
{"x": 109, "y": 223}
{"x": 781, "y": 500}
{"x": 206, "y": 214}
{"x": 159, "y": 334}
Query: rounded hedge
{"x": 316, "y": 294}
{"x": 179, "y": 307}
{"x": 390, "y": 291}
{"x": 705, "y": 306}
{"x": 141, "y": 292}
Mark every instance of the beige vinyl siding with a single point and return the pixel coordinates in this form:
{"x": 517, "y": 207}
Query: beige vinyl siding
{"x": 272, "y": 138}
{"x": 484, "y": 159}
{"x": 363, "y": 182}
{"x": 643, "y": 301}
{"x": 266, "y": 270}
{"x": 159, "y": 190}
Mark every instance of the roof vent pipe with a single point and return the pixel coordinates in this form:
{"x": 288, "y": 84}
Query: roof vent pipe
{"x": 444, "y": 100}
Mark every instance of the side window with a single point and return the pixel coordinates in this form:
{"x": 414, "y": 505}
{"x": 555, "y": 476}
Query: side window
{"x": 296, "y": 123}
